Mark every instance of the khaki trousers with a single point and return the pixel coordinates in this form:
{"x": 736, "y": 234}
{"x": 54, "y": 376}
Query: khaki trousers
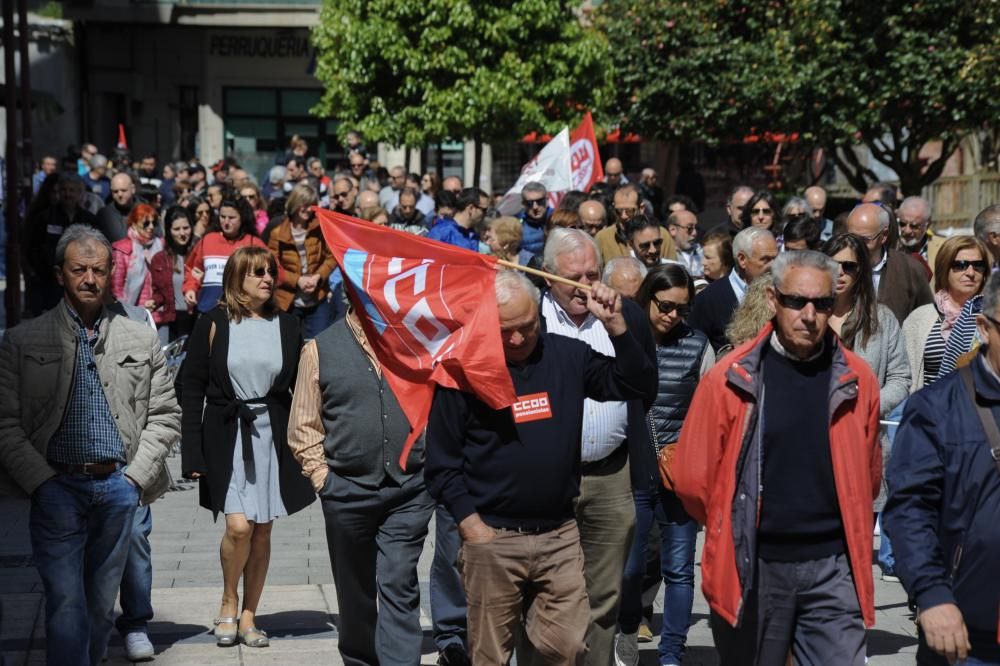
{"x": 537, "y": 578}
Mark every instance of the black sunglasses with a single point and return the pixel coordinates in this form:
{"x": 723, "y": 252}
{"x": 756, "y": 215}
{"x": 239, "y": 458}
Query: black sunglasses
{"x": 528, "y": 203}
{"x": 648, "y": 245}
{"x": 962, "y": 265}
{"x": 148, "y": 224}
{"x": 666, "y": 307}
{"x": 850, "y": 267}
{"x": 261, "y": 271}
{"x": 794, "y": 302}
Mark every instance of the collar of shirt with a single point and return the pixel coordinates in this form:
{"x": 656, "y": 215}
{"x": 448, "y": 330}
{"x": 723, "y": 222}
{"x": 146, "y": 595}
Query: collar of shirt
{"x": 880, "y": 266}
{"x": 739, "y": 285}
{"x": 549, "y": 303}
{"x": 79, "y": 322}
{"x": 354, "y": 324}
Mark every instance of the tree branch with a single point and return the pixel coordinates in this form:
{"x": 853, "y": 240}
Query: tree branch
{"x": 854, "y": 174}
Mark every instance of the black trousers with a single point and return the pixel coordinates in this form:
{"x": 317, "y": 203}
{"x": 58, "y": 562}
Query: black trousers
{"x": 375, "y": 537}
{"x": 809, "y": 607}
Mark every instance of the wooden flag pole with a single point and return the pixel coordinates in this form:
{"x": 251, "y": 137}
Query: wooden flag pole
{"x": 542, "y": 274}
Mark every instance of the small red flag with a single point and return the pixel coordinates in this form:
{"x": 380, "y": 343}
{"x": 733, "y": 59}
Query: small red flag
{"x": 122, "y": 143}
{"x": 585, "y": 160}
{"x": 429, "y": 311}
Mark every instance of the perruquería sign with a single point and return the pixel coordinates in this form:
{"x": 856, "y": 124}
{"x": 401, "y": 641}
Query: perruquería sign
{"x": 277, "y": 45}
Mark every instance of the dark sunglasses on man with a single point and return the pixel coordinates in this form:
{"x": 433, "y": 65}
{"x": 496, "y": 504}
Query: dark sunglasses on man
{"x": 649, "y": 245}
{"x": 531, "y": 203}
{"x": 795, "y": 302}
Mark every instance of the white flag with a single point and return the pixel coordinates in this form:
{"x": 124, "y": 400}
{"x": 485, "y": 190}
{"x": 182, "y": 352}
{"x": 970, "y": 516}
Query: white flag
{"x": 551, "y": 167}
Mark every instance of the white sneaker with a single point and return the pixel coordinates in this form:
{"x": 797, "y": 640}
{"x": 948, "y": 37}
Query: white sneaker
{"x": 138, "y": 647}
{"x": 626, "y": 649}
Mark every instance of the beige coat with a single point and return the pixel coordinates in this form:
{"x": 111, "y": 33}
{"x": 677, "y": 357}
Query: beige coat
{"x": 916, "y": 328}
{"x": 37, "y": 361}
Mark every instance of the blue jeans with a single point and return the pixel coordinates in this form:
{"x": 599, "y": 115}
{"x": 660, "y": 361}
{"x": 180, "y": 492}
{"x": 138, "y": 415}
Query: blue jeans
{"x": 886, "y": 561}
{"x": 137, "y": 582}
{"x": 315, "y": 319}
{"x": 80, "y": 530}
{"x": 678, "y": 533}
{"x": 448, "y": 606}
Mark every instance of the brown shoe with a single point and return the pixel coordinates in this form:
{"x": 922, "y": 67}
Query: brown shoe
{"x": 645, "y": 634}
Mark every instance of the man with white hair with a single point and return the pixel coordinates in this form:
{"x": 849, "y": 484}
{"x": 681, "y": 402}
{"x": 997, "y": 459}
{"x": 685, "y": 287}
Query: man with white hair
{"x": 754, "y": 249}
{"x": 605, "y": 511}
{"x": 900, "y": 281}
{"x": 779, "y": 457}
{"x": 624, "y": 275}
{"x": 511, "y": 477}
{"x": 915, "y": 237}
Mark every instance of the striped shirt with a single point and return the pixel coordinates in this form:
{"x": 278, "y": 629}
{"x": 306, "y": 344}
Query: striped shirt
{"x": 933, "y": 353}
{"x": 964, "y": 337}
{"x": 604, "y": 423}
{"x": 88, "y": 433}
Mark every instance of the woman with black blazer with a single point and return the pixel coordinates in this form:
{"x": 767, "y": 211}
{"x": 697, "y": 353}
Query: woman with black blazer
{"x": 242, "y": 359}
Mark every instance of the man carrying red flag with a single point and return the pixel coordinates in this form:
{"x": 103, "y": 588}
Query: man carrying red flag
{"x": 510, "y": 476}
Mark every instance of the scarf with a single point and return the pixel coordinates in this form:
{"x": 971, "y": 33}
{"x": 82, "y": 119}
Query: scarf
{"x": 950, "y": 311}
{"x": 138, "y": 265}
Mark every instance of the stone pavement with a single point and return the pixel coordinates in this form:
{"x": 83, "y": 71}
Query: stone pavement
{"x": 300, "y": 606}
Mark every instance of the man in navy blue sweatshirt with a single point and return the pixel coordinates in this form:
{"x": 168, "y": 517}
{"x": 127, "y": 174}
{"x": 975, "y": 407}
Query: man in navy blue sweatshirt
{"x": 509, "y": 477}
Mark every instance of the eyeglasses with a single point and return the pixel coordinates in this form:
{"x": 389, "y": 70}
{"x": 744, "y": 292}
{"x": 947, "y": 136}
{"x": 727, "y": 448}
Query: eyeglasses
{"x": 149, "y": 224}
{"x": 251, "y": 196}
{"x": 203, "y": 211}
{"x": 850, "y": 267}
{"x": 648, "y": 245}
{"x": 690, "y": 228}
{"x": 962, "y": 265}
{"x": 666, "y": 307}
{"x": 340, "y": 195}
{"x": 795, "y": 302}
{"x": 530, "y": 203}
{"x": 357, "y": 165}
{"x": 911, "y": 225}
{"x": 871, "y": 238}
{"x": 765, "y": 212}
{"x": 625, "y": 212}
{"x": 261, "y": 271}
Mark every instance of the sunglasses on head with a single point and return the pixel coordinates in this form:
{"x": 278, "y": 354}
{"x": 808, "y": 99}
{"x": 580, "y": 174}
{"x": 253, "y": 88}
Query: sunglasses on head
{"x": 795, "y": 302}
{"x": 648, "y": 245}
{"x": 666, "y": 307}
{"x": 261, "y": 271}
{"x": 529, "y": 203}
{"x": 962, "y": 265}
{"x": 850, "y": 267}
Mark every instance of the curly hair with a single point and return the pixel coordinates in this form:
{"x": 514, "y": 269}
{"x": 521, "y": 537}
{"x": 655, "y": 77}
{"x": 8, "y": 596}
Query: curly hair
{"x": 752, "y": 313}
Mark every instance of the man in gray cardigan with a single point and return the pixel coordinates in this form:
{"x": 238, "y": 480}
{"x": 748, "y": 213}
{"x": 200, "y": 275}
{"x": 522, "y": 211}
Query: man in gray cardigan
{"x": 347, "y": 432}
{"x": 87, "y": 416}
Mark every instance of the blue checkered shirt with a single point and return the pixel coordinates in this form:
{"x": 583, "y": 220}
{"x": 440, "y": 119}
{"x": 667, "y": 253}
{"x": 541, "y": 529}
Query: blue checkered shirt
{"x": 88, "y": 433}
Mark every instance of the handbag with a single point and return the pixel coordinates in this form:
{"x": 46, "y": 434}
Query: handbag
{"x": 664, "y": 455}
{"x": 985, "y": 416}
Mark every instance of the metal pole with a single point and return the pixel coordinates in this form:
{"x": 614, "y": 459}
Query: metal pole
{"x": 27, "y": 146}
{"x": 12, "y": 296}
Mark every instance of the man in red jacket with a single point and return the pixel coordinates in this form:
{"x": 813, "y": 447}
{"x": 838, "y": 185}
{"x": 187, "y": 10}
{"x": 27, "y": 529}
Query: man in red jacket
{"x": 779, "y": 459}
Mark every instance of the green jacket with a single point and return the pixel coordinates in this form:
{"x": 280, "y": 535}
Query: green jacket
{"x": 37, "y": 363}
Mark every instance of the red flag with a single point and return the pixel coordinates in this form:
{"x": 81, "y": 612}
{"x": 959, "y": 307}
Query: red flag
{"x": 585, "y": 160}
{"x": 429, "y": 311}
{"x": 122, "y": 143}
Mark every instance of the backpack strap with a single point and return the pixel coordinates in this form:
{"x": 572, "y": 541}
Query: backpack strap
{"x": 985, "y": 416}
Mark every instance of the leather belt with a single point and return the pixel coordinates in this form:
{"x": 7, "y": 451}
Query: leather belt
{"x": 98, "y": 470}
{"x": 590, "y": 467}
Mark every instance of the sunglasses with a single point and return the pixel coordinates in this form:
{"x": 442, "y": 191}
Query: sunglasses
{"x": 529, "y": 203}
{"x": 261, "y": 271}
{"x": 766, "y": 212}
{"x": 149, "y": 224}
{"x": 794, "y": 302}
{"x": 625, "y": 211}
{"x": 648, "y": 245}
{"x": 340, "y": 195}
{"x": 250, "y": 196}
{"x": 688, "y": 229}
{"x": 666, "y": 307}
{"x": 850, "y": 267}
{"x": 962, "y": 265}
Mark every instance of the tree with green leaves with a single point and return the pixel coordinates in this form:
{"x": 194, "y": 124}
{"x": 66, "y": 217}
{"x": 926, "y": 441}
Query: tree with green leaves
{"x": 416, "y": 72}
{"x": 891, "y": 76}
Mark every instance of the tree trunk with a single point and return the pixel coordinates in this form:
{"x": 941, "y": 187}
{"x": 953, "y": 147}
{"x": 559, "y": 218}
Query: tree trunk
{"x": 477, "y": 163}
{"x": 440, "y": 160}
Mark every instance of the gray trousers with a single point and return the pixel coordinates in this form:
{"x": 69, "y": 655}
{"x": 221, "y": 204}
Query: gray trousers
{"x": 375, "y": 537}
{"x": 809, "y": 607}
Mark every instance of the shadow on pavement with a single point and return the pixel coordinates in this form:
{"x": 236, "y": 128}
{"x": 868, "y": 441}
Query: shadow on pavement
{"x": 883, "y": 642}
{"x": 297, "y": 623}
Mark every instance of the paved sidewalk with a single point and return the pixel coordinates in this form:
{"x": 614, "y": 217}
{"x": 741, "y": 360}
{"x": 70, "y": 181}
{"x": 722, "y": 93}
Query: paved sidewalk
{"x": 300, "y": 606}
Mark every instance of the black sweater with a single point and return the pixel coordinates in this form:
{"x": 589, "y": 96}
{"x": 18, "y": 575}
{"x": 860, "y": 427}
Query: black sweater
{"x": 527, "y": 474}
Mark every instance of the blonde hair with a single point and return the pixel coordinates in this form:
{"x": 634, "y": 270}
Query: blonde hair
{"x": 508, "y": 232}
{"x": 752, "y": 313}
{"x": 301, "y": 196}
{"x": 241, "y": 263}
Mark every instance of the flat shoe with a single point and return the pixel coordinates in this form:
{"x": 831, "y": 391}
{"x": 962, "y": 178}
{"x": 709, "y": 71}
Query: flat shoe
{"x": 254, "y": 637}
{"x": 226, "y": 638}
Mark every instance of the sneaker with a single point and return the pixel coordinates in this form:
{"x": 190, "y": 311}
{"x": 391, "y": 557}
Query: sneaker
{"x": 645, "y": 634}
{"x": 626, "y": 650}
{"x": 453, "y": 655}
{"x": 138, "y": 647}
{"x": 890, "y": 577}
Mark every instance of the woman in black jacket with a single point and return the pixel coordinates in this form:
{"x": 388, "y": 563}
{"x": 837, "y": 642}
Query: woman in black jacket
{"x": 683, "y": 355}
{"x": 242, "y": 359}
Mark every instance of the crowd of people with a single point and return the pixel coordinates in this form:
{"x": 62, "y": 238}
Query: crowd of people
{"x": 670, "y": 378}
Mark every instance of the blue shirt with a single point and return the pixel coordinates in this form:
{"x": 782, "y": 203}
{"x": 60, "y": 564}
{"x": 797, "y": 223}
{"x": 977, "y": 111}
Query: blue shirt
{"x": 88, "y": 433}
{"x": 449, "y": 231}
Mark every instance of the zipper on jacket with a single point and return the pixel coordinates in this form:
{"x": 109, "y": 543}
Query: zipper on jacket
{"x": 955, "y": 561}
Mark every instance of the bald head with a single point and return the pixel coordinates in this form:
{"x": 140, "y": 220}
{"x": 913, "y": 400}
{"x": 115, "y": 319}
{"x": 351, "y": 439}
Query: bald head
{"x": 122, "y": 189}
{"x": 367, "y": 199}
{"x": 624, "y": 275}
{"x": 871, "y": 222}
{"x": 682, "y": 225}
{"x": 593, "y": 216}
{"x": 816, "y": 196}
{"x": 452, "y": 184}
{"x": 613, "y": 171}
